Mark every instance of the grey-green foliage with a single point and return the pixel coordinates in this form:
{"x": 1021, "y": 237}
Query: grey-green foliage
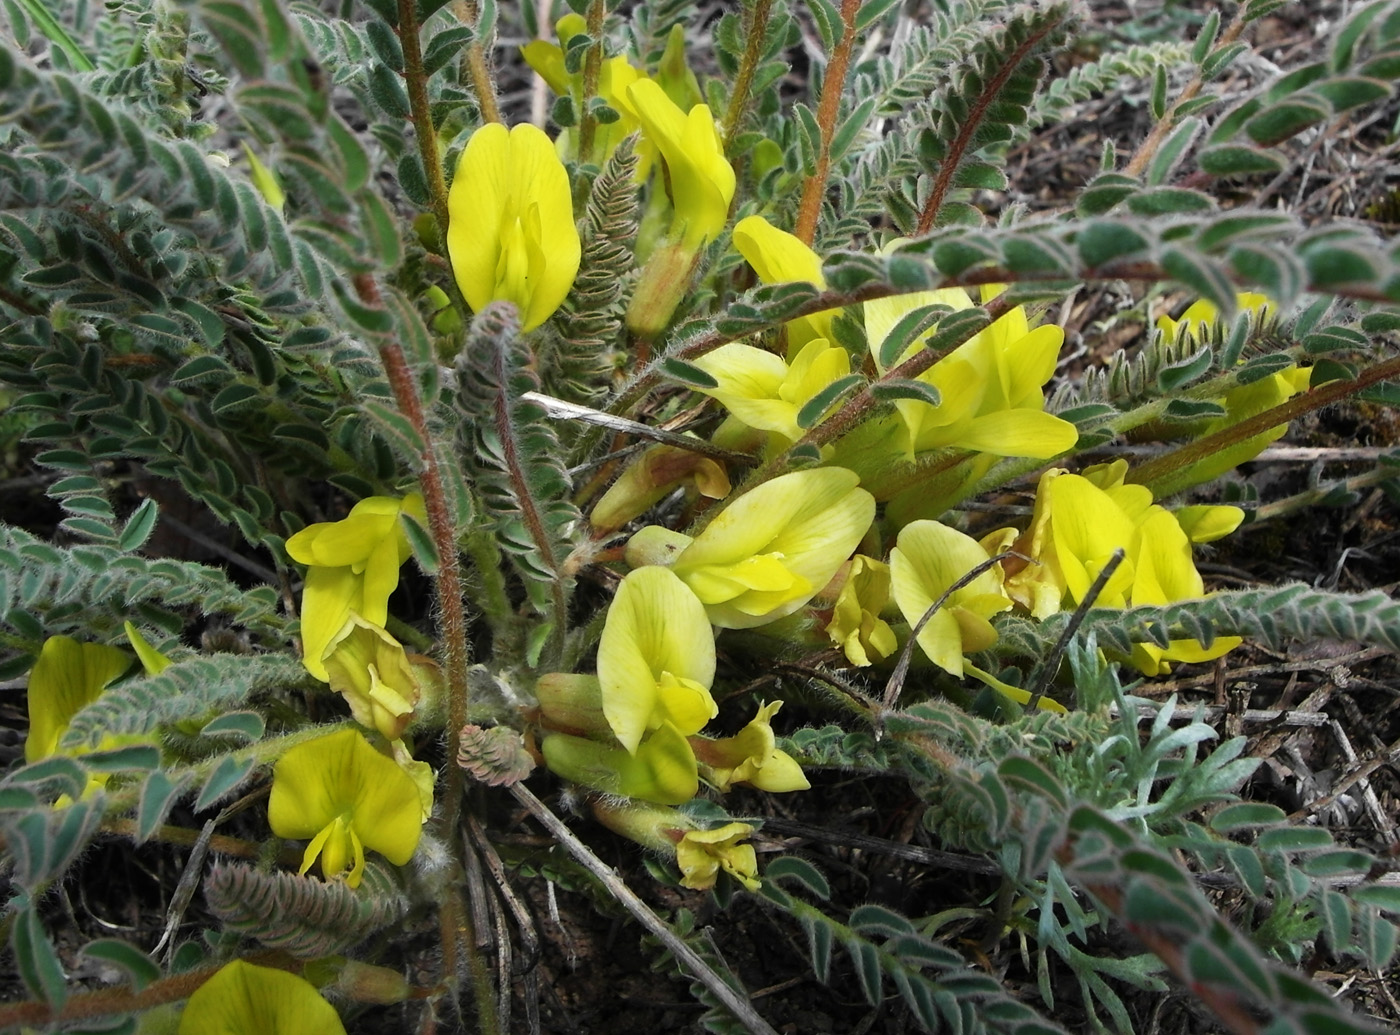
{"x": 1101, "y": 75}
{"x": 577, "y": 364}
{"x": 1077, "y": 810}
{"x": 202, "y": 686}
{"x": 1272, "y": 616}
{"x": 46, "y": 590}
{"x": 514, "y": 455}
{"x": 304, "y": 916}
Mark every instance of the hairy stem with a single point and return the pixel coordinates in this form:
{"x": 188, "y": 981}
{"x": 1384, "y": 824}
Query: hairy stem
{"x": 1159, "y": 132}
{"x": 416, "y": 81}
{"x": 990, "y": 92}
{"x": 755, "y": 29}
{"x": 828, "y": 108}
{"x": 468, "y": 13}
{"x": 592, "y": 69}
{"x": 453, "y": 925}
{"x": 529, "y": 509}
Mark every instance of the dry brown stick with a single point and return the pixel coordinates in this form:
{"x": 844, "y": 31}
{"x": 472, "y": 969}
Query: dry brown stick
{"x": 738, "y": 1005}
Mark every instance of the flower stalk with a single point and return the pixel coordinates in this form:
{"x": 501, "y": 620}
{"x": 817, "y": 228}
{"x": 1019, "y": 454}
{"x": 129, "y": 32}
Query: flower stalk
{"x": 833, "y": 86}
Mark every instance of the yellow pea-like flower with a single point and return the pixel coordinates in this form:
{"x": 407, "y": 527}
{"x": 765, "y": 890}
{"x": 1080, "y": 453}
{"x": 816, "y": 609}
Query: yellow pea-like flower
{"x": 244, "y": 999}
{"x": 345, "y": 796}
{"x": 353, "y": 566}
{"x": 511, "y": 234}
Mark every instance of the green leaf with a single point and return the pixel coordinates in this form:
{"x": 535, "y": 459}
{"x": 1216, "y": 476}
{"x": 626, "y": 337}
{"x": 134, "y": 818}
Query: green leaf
{"x": 1169, "y": 154}
{"x": 421, "y": 542}
{"x": 242, "y": 725}
{"x": 1245, "y": 815}
{"x": 1030, "y": 775}
{"x": 866, "y": 957}
{"x": 1334, "y": 864}
{"x": 876, "y": 921}
{"x": 382, "y": 230}
{"x": 372, "y": 318}
{"x": 138, "y": 527}
{"x": 1382, "y": 896}
{"x": 1237, "y": 160}
{"x": 1104, "y": 241}
{"x": 237, "y": 29}
{"x": 388, "y": 92}
{"x": 905, "y": 388}
{"x": 1167, "y": 201}
{"x": 688, "y": 374}
{"x": 140, "y": 969}
{"x": 809, "y": 137}
{"x": 142, "y": 758}
{"x": 158, "y": 795}
{"x": 36, "y": 960}
{"x": 1346, "y": 92}
{"x": 794, "y": 868}
{"x": 909, "y": 328}
{"x": 227, "y": 775}
{"x": 233, "y": 396}
{"x": 1200, "y": 275}
{"x": 1278, "y": 122}
{"x": 813, "y": 410}
{"x": 1295, "y": 839}
{"x": 1205, "y": 38}
{"x": 1172, "y": 377}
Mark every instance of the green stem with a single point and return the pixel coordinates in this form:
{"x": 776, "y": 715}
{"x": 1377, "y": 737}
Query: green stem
{"x": 828, "y": 108}
{"x": 416, "y": 81}
{"x": 968, "y": 127}
{"x": 1305, "y": 402}
{"x": 1290, "y": 504}
{"x": 1158, "y": 134}
{"x": 468, "y": 13}
{"x": 592, "y": 69}
{"x": 755, "y": 31}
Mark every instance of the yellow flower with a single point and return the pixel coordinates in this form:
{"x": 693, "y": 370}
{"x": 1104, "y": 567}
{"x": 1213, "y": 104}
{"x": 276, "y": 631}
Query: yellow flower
{"x": 1201, "y": 315}
{"x": 928, "y": 560}
{"x": 656, "y": 658}
{"x": 653, "y": 476}
{"x": 701, "y": 854}
{"x": 67, "y": 677}
{"x": 701, "y": 178}
{"x": 511, "y": 235}
{"x": 779, "y": 257}
{"x": 990, "y": 387}
{"x": 856, "y": 626}
{"x": 661, "y": 769}
{"x": 751, "y": 757}
{"x": 1080, "y": 520}
{"x": 615, "y": 76}
{"x": 354, "y": 566}
{"x": 243, "y": 999}
{"x": 346, "y": 796}
{"x": 770, "y": 551}
{"x": 370, "y": 669}
{"x": 762, "y": 391}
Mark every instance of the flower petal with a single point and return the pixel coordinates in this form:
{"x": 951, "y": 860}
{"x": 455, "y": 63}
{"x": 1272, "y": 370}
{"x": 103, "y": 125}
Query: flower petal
{"x": 244, "y": 999}
{"x": 655, "y": 625}
{"x": 67, "y": 677}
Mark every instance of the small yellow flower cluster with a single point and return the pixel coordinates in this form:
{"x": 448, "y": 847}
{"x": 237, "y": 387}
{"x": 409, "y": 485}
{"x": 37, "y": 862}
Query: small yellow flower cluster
{"x": 634, "y": 729}
{"x": 338, "y": 789}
